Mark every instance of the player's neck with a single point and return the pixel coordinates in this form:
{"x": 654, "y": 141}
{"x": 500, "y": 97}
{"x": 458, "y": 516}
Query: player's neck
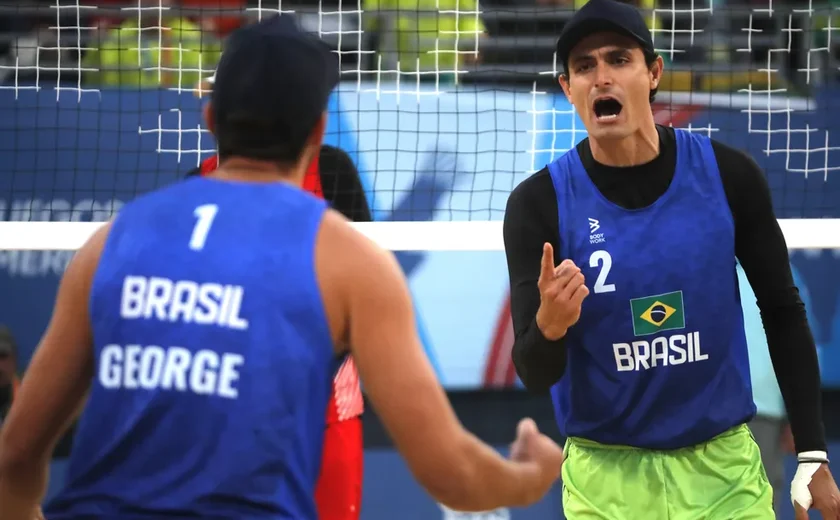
{"x": 641, "y": 147}
{"x": 243, "y": 170}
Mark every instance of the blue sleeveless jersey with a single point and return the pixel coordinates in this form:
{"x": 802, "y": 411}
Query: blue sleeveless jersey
{"x": 658, "y": 359}
{"x": 214, "y": 359}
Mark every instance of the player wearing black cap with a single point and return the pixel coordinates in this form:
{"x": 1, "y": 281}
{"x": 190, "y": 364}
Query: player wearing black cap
{"x": 627, "y": 306}
{"x": 205, "y": 323}
{"x": 338, "y": 495}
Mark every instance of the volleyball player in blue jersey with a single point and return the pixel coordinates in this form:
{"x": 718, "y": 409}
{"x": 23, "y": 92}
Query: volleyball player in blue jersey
{"x": 626, "y": 306}
{"x": 205, "y": 324}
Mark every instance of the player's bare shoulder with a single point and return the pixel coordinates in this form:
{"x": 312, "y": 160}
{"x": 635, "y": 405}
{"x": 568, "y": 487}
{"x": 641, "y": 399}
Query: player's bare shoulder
{"x": 348, "y": 264}
{"x": 338, "y": 235}
{"x": 88, "y": 255}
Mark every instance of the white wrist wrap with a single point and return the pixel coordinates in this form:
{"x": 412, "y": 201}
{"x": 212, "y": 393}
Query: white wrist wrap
{"x": 799, "y": 492}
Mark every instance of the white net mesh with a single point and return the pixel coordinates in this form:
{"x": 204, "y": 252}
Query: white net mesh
{"x": 447, "y": 101}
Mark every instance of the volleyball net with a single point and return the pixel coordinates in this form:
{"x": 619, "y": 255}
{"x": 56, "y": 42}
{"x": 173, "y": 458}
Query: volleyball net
{"x": 444, "y": 106}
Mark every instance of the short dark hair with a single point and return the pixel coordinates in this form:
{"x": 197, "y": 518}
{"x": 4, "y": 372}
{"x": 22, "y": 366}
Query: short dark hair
{"x": 244, "y": 135}
{"x": 650, "y": 58}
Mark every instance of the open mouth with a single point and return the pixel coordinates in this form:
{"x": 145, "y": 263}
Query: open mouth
{"x": 606, "y": 109}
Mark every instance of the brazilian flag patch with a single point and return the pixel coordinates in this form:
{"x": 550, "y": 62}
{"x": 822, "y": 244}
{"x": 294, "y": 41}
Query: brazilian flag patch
{"x": 653, "y": 314}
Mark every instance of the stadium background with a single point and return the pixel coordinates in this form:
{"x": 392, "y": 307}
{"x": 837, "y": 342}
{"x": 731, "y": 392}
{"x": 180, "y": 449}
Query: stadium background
{"x": 78, "y": 154}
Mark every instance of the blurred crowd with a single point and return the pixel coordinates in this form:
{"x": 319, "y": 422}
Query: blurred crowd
{"x": 176, "y": 43}
{"x": 714, "y": 44}
{"x": 145, "y": 43}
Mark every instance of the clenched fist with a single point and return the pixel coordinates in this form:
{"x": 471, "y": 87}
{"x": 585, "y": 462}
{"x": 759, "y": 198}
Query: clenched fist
{"x": 562, "y": 291}
{"x": 540, "y": 455}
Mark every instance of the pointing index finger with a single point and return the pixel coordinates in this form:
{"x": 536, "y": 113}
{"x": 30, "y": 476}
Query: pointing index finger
{"x": 547, "y": 270}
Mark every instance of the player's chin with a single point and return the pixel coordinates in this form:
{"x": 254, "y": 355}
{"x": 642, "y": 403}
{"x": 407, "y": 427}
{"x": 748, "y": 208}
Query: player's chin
{"x": 612, "y": 129}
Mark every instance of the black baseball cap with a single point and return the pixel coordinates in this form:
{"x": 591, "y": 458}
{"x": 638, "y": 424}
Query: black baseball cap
{"x": 603, "y": 15}
{"x": 272, "y": 84}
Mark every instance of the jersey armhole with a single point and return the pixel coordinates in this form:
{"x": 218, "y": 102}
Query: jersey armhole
{"x": 555, "y": 171}
{"x": 710, "y": 162}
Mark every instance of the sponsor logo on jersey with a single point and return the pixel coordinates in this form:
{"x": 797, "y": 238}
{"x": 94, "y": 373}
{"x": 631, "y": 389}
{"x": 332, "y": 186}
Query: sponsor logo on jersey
{"x": 594, "y": 236}
{"x": 653, "y": 314}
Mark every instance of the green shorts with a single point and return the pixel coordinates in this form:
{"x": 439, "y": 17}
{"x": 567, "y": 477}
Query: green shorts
{"x": 721, "y": 479}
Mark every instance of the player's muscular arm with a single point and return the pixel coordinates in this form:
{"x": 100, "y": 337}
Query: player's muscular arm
{"x": 760, "y": 247}
{"x": 456, "y": 468}
{"x": 52, "y": 391}
{"x": 531, "y": 221}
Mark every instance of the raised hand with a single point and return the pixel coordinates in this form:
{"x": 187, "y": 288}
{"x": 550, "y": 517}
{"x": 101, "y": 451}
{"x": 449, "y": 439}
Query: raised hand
{"x": 562, "y": 290}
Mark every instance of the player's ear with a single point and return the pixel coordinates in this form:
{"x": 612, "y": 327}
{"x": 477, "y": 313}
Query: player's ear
{"x": 563, "y": 79}
{"x": 207, "y": 112}
{"x": 656, "y": 69}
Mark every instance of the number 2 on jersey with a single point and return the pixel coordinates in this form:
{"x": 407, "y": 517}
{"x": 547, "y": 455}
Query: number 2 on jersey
{"x": 205, "y": 215}
{"x": 605, "y": 260}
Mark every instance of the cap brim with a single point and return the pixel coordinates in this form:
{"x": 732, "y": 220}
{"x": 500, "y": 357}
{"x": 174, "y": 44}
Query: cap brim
{"x": 568, "y": 40}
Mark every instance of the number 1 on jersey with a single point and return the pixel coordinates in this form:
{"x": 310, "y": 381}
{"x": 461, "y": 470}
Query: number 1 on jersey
{"x": 205, "y": 215}
{"x": 602, "y": 257}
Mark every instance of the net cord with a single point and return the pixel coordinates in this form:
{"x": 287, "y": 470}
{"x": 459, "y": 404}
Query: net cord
{"x": 395, "y": 236}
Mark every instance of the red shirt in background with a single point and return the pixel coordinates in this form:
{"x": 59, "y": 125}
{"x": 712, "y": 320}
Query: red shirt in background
{"x": 216, "y": 20}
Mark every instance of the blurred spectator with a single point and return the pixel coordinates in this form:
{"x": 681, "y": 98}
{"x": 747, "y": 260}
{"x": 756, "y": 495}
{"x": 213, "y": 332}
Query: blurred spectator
{"x": 647, "y": 6}
{"x": 222, "y": 16}
{"x": 12, "y": 26}
{"x": 824, "y": 29}
{"x": 155, "y": 48}
{"x": 410, "y": 31}
{"x": 29, "y": 41}
{"x": 106, "y": 21}
{"x": 8, "y": 371}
